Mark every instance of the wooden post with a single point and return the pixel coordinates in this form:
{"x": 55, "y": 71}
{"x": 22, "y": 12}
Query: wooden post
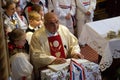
{"x": 4, "y": 67}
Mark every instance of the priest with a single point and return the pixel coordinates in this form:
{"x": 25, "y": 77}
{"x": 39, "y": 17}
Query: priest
{"x": 52, "y": 44}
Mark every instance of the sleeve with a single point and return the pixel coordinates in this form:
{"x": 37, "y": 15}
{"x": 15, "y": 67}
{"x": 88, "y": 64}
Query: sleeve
{"x": 80, "y": 6}
{"x": 58, "y": 10}
{"x": 21, "y": 66}
{"x": 92, "y": 5}
{"x": 39, "y": 55}
{"x": 73, "y": 8}
{"x": 61, "y": 12}
{"x": 28, "y": 36}
{"x": 51, "y": 5}
{"x": 73, "y": 45}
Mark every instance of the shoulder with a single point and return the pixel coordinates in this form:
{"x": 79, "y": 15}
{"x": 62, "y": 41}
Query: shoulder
{"x": 18, "y": 56}
{"x": 63, "y": 29}
{"x": 40, "y": 32}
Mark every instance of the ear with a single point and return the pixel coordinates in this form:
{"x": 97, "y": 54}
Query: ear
{"x": 31, "y": 21}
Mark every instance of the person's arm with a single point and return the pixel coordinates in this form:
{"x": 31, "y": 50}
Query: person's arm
{"x": 39, "y": 51}
{"x": 59, "y": 61}
{"x": 20, "y": 66}
{"x": 77, "y": 56}
{"x": 92, "y": 5}
{"x": 73, "y": 8}
{"x": 74, "y": 47}
{"x": 80, "y": 6}
{"x": 28, "y": 36}
{"x": 51, "y": 5}
{"x": 58, "y": 10}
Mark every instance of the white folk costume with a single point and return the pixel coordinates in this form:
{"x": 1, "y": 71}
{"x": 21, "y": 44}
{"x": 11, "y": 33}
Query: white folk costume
{"x": 23, "y": 3}
{"x": 62, "y": 8}
{"x": 84, "y": 6}
{"x": 51, "y": 5}
{"x": 21, "y": 67}
{"x": 12, "y": 22}
{"x": 45, "y": 47}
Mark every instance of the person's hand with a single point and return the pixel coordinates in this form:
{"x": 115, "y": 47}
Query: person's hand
{"x": 59, "y": 61}
{"x": 68, "y": 16}
{"x": 88, "y": 13}
{"x": 77, "y": 56}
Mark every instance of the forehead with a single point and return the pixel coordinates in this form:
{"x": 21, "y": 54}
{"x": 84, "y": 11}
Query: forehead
{"x": 12, "y": 6}
{"x": 52, "y": 20}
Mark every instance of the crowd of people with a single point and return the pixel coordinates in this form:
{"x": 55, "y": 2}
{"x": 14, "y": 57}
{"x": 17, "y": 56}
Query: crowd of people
{"x": 43, "y": 32}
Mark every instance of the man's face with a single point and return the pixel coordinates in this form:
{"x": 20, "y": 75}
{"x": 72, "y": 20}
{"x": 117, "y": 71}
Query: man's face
{"x": 52, "y": 25}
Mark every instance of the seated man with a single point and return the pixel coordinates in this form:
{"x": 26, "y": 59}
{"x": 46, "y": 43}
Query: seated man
{"x": 53, "y": 44}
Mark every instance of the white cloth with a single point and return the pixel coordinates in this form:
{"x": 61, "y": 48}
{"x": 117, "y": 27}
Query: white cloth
{"x": 84, "y": 6}
{"x": 8, "y": 22}
{"x": 21, "y": 67}
{"x": 51, "y": 5}
{"x": 115, "y": 47}
{"x": 94, "y": 34}
{"x": 17, "y": 24}
{"x": 91, "y": 70}
{"x": 22, "y": 3}
{"x": 44, "y": 6}
{"x": 61, "y": 12}
{"x": 21, "y": 23}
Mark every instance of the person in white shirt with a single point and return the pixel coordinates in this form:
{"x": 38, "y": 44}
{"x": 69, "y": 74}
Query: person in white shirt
{"x": 20, "y": 66}
{"x": 34, "y": 24}
{"x": 11, "y": 18}
{"x": 21, "y": 17}
{"x": 84, "y": 13}
{"x": 65, "y": 9}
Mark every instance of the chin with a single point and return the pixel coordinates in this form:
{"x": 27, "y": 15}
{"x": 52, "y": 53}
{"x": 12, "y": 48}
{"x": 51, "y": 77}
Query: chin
{"x": 53, "y": 32}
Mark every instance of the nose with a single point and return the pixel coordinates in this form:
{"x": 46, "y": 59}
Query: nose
{"x": 55, "y": 24}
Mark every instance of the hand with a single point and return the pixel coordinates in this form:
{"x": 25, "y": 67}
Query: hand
{"x": 77, "y": 56}
{"x": 59, "y": 61}
{"x": 68, "y": 16}
{"x": 88, "y": 13}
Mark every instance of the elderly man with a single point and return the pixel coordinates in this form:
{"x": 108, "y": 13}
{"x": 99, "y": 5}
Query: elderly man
{"x": 53, "y": 43}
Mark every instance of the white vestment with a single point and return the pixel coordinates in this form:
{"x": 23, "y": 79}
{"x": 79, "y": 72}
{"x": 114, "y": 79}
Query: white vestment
{"x": 39, "y": 47}
{"x": 82, "y": 6}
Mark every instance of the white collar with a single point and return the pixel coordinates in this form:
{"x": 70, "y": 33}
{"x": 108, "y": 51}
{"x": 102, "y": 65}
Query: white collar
{"x": 50, "y": 34}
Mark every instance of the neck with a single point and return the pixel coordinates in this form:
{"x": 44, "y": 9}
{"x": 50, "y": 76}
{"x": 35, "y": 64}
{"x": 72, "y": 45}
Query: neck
{"x": 52, "y": 34}
{"x": 8, "y": 15}
{"x": 33, "y": 26}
